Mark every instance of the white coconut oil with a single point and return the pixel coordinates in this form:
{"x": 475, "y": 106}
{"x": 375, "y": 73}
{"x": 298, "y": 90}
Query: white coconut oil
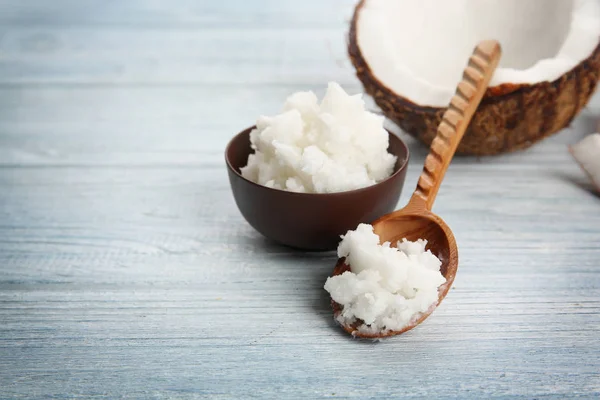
{"x": 332, "y": 146}
{"x": 387, "y": 287}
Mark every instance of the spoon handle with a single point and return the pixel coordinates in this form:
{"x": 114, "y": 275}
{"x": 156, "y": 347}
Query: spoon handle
{"x": 455, "y": 121}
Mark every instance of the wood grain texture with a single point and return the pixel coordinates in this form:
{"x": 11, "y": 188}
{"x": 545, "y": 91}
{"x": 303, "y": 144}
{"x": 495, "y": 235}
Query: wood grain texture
{"x": 127, "y": 272}
{"x": 461, "y": 108}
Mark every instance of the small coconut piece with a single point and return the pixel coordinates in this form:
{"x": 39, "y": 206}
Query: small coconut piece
{"x": 587, "y": 154}
{"x": 409, "y": 55}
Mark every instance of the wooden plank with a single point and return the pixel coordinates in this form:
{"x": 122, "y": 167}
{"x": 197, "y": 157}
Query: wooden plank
{"x": 179, "y": 126}
{"x": 185, "y": 14}
{"x": 132, "y": 273}
{"x": 217, "y": 56}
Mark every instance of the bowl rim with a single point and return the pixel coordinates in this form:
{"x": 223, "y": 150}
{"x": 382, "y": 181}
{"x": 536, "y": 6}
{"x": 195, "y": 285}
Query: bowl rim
{"x": 402, "y": 168}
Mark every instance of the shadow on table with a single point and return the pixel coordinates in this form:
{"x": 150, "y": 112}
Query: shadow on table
{"x": 314, "y": 267}
{"x": 581, "y": 181}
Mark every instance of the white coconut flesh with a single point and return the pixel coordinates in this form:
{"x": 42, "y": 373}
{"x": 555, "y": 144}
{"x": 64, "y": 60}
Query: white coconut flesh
{"x": 418, "y": 48}
{"x": 587, "y": 154}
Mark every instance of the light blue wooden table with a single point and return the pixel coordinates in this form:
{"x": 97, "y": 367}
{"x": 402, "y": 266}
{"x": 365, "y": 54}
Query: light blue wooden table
{"x": 127, "y": 271}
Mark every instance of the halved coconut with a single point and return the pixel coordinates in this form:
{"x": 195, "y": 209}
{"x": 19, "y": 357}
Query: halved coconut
{"x": 409, "y": 55}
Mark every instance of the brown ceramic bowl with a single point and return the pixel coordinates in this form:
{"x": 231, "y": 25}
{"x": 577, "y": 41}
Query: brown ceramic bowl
{"x": 311, "y": 221}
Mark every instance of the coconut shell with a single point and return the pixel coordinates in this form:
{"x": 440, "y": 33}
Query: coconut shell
{"x": 510, "y": 116}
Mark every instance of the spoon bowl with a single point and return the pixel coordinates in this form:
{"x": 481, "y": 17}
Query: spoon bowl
{"x": 416, "y": 221}
{"x": 411, "y": 223}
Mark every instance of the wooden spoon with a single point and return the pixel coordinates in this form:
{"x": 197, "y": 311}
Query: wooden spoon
{"x": 416, "y": 219}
